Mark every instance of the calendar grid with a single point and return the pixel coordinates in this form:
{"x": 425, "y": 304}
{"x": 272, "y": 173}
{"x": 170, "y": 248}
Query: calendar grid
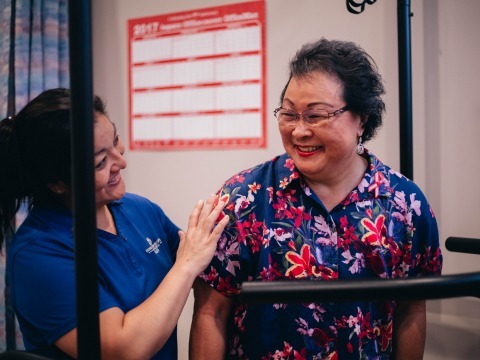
{"x": 197, "y": 79}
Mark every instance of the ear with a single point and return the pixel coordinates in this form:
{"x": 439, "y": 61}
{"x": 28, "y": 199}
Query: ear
{"x": 58, "y": 188}
{"x": 361, "y": 125}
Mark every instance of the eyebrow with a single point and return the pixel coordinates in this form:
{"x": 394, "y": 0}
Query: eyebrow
{"x": 96, "y": 153}
{"x": 310, "y": 104}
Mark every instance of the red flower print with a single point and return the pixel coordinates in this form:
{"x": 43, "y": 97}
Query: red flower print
{"x": 304, "y": 265}
{"x": 225, "y": 287}
{"x": 283, "y": 183}
{"x": 280, "y": 209}
{"x": 239, "y": 178}
{"x": 272, "y": 273}
{"x": 302, "y": 355}
{"x": 299, "y": 215}
{"x": 320, "y": 337}
{"x": 211, "y": 276}
{"x": 376, "y": 264}
{"x": 384, "y": 334}
{"x": 376, "y": 230}
{"x": 254, "y": 187}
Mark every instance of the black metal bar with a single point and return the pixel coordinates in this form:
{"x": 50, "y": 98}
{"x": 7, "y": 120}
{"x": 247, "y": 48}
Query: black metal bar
{"x": 432, "y": 287}
{"x": 85, "y": 228}
{"x": 463, "y": 245}
{"x": 405, "y": 87}
{"x": 10, "y": 325}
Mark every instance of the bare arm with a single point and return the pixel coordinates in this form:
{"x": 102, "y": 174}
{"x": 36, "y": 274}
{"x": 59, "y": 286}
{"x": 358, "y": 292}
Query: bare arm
{"x": 409, "y": 331}
{"x": 142, "y": 332}
{"x": 208, "y": 338}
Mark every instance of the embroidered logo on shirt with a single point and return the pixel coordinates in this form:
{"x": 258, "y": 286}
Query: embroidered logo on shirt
{"x": 153, "y": 246}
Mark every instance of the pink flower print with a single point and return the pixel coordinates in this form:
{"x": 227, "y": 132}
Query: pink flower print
{"x": 289, "y": 164}
{"x": 378, "y": 180}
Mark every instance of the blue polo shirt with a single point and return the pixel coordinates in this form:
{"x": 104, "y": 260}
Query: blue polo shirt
{"x": 132, "y": 264}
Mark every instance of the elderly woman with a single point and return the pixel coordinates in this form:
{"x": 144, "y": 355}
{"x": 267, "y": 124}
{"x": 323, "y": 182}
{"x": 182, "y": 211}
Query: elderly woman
{"x": 328, "y": 209}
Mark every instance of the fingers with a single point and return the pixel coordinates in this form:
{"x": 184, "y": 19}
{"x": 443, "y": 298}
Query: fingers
{"x": 207, "y": 207}
{"x": 208, "y": 222}
{"x": 181, "y": 234}
{"x": 195, "y": 214}
{"x": 204, "y": 215}
{"x": 217, "y": 231}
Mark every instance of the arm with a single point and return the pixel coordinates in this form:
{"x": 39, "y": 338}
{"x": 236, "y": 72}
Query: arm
{"x": 142, "y": 332}
{"x": 409, "y": 330}
{"x": 208, "y": 334}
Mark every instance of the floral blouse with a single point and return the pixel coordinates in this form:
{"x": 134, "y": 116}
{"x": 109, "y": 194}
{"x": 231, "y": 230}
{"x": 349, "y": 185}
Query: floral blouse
{"x": 279, "y": 229}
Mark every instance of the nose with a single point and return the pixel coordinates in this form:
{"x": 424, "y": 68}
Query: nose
{"x": 301, "y": 128}
{"x": 120, "y": 161}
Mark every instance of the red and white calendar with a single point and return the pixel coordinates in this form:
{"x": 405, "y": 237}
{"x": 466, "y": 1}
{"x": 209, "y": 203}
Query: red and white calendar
{"x": 197, "y": 79}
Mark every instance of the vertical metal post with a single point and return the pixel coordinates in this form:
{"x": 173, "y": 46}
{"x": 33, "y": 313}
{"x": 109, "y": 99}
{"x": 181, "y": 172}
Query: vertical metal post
{"x": 85, "y": 228}
{"x": 10, "y": 326}
{"x": 405, "y": 87}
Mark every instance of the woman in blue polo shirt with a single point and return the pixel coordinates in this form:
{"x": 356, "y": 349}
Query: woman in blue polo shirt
{"x": 146, "y": 264}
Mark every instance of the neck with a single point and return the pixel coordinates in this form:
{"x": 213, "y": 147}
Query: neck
{"x": 335, "y": 190}
{"x": 105, "y": 220}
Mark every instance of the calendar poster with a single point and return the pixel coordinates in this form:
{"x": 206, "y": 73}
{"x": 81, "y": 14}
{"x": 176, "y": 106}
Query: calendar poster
{"x": 197, "y": 79}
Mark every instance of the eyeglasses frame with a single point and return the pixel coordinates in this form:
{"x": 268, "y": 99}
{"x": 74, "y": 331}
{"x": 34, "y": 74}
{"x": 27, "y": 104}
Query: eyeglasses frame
{"x": 300, "y": 115}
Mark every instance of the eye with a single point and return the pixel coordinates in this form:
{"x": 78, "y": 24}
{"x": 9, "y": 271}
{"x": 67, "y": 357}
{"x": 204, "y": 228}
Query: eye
{"x": 116, "y": 140}
{"x": 315, "y": 115}
{"x": 288, "y": 115}
{"x": 101, "y": 163}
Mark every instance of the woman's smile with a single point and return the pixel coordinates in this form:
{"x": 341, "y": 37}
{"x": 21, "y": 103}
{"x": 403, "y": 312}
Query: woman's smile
{"x": 306, "y": 151}
{"x": 115, "y": 179}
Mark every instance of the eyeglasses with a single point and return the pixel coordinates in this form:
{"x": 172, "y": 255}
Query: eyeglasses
{"x": 312, "y": 117}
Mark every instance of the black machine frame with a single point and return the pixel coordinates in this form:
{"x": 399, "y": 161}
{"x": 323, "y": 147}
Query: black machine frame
{"x": 81, "y": 80}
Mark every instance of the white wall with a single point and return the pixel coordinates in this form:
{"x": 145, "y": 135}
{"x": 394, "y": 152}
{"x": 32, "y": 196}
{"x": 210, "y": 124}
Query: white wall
{"x": 445, "y": 51}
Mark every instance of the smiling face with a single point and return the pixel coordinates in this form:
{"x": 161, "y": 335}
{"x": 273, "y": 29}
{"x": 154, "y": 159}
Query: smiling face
{"x": 109, "y": 160}
{"x": 327, "y": 151}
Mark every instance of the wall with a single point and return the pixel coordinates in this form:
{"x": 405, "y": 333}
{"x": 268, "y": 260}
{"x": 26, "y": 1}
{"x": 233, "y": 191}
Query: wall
{"x": 445, "y": 54}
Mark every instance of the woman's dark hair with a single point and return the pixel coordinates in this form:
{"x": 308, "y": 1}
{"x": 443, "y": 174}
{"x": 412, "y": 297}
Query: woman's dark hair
{"x": 35, "y": 152}
{"x": 354, "y": 68}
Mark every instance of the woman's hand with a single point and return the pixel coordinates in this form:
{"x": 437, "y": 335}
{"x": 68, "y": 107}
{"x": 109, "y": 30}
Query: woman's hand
{"x": 198, "y": 245}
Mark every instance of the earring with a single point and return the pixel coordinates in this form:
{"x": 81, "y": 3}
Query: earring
{"x": 360, "y": 146}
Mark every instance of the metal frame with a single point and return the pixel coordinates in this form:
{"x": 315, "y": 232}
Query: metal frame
{"x": 85, "y": 227}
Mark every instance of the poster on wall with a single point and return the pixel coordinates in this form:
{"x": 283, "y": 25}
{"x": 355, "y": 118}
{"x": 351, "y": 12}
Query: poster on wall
{"x": 197, "y": 79}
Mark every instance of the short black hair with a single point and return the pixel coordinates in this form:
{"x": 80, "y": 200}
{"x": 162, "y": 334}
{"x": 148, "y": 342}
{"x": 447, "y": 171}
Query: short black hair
{"x": 354, "y": 68}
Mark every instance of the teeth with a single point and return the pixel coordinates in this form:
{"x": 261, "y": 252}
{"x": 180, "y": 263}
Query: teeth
{"x": 308, "y": 148}
{"x": 112, "y": 180}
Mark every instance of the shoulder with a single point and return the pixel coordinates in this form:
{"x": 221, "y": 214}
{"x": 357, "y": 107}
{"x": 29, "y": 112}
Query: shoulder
{"x": 136, "y": 202}
{"x": 47, "y": 226}
{"x": 137, "y": 208}
{"x": 396, "y": 183}
{"x": 262, "y": 173}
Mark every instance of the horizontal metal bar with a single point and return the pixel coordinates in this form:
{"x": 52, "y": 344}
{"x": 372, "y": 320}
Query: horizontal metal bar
{"x": 296, "y": 291}
{"x": 463, "y": 245}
